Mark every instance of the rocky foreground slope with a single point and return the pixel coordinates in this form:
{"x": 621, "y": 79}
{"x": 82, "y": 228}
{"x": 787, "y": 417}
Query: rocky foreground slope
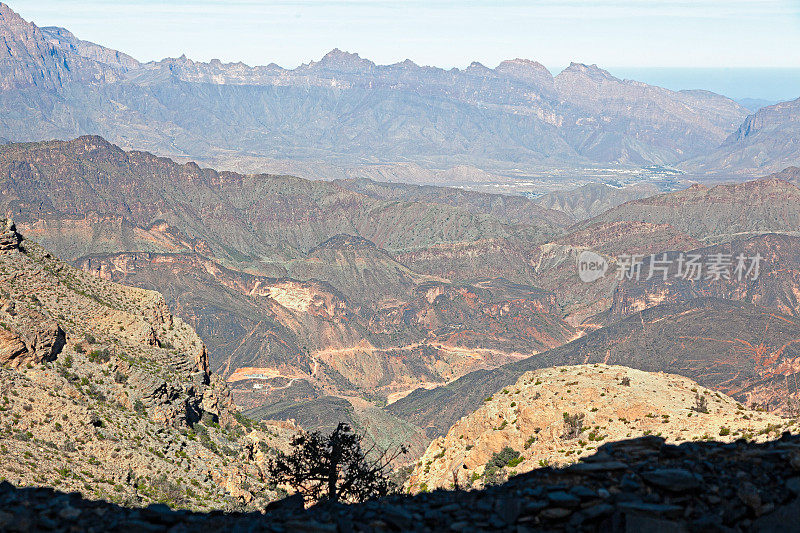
{"x": 635, "y": 485}
{"x": 104, "y": 392}
{"x": 558, "y": 415}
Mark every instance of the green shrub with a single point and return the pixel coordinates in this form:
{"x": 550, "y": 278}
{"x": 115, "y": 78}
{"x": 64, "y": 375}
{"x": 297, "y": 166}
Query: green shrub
{"x": 573, "y": 425}
{"x": 100, "y": 356}
{"x": 138, "y": 406}
{"x": 499, "y": 460}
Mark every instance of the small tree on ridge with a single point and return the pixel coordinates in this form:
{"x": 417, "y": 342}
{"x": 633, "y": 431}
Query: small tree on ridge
{"x": 335, "y": 467}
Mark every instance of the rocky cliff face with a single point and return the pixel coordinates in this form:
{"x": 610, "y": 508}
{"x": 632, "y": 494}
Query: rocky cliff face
{"x": 28, "y": 336}
{"x": 765, "y": 142}
{"x": 604, "y": 103}
{"x": 113, "y": 394}
{"x": 28, "y": 59}
{"x": 559, "y": 415}
{"x": 776, "y": 286}
{"x": 64, "y": 40}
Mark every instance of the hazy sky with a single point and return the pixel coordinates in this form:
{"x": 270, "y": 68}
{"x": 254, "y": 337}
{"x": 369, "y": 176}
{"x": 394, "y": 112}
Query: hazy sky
{"x": 667, "y": 33}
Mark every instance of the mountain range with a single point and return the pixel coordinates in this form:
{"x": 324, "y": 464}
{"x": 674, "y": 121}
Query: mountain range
{"x": 109, "y": 396}
{"x": 767, "y": 141}
{"x": 345, "y": 116}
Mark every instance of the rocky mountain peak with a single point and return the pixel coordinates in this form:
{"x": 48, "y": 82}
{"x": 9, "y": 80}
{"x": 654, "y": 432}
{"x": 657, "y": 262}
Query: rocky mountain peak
{"x": 65, "y": 40}
{"x": 526, "y": 70}
{"x": 95, "y": 144}
{"x": 29, "y": 58}
{"x": 479, "y": 69}
{"x": 338, "y": 59}
{"x": 14, "y": 26}
{"x": 589, "y": 71}
{"x": 7, "y": 15}
{"x": 57, "y": 31}
{"x": 408, "y": 64}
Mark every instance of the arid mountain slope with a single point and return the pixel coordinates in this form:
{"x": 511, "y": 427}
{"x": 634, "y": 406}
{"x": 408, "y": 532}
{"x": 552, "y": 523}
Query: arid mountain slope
{"x": 613, "y": 105}
{"x": 559, "y": 415}
{"x": 790, "y": 174}
{"x": 28, "y": 58}
{"x": 746, "y": 352}
{"x": 104, "y": 392}
{"x": 589, "y": 201}
{"x": 774, "y": 283}
{"x": 767, "y": 141}
{"x": 305, "y": 330}
{"x": 265, "y": 218}
{"x": 555, "y": 262}
{"x": 720, "y": 213}
{"x": 295, "y": 280}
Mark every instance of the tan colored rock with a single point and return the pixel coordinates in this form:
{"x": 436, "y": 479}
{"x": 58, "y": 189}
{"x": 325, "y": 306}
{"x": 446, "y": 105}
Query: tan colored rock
{"x": 9, "y": 238}
{"x": 43, "y": 343}
{"x": 13, "y": 351}
{"x": 603, "y": 403}
{"x": 46, "y": 341}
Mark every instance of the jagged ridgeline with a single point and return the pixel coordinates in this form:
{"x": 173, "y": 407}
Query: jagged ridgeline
{"x": 346, "y": 116}
{"x": 104, "y": 392}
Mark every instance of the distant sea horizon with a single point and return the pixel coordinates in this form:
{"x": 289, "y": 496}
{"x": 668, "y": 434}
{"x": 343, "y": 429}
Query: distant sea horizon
{"x": 768, "y": 84}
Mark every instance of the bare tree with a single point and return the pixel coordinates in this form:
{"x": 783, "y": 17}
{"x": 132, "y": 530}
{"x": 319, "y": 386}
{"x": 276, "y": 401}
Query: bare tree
{"x": 700, "y": 404}
{"x": 335, "y": 467}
